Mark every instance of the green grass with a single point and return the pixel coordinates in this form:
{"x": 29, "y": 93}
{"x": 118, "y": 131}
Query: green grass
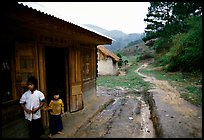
{"x": 188, "y": 84}
{"x": 162, "y": 75}
{"x": 194, "y": 95}
{"x": 131, "y": 80}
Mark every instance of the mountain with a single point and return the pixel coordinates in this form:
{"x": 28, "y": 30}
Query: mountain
{"x": 121, "y": 39}
{"x": 135, "y": 49}
{"x": 96, "y": 28}
{"x": 115, "y": 34}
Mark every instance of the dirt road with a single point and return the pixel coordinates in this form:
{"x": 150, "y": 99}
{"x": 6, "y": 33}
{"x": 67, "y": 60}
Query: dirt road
{"x": 166, "y": 116}
{"x": 177, "y": 118}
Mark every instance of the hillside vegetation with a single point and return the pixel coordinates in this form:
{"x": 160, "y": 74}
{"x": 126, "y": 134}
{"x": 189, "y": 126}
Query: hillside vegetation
{"x": 177, "y": 52}
{"x": 179, "y": 44}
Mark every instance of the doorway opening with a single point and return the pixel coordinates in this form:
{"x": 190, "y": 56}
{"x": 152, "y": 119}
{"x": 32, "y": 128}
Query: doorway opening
{"x": 55, "y": 65}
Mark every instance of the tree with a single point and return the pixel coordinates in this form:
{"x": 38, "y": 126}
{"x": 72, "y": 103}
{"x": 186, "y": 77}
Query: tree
{"x": 179, "y": 28}
{"x": 159, "y": 14}
{"x": 120, "y": 63}
{"x": 167, "y": 18}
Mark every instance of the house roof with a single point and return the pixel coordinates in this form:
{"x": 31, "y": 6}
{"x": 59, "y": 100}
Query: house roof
{"x": 107, "y": 52}
{"x": 48, "y": 12}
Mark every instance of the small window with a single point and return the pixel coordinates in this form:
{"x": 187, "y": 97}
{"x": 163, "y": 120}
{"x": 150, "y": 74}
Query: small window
{"x": 86, "y": 65}
{"x": 26, "y": 63}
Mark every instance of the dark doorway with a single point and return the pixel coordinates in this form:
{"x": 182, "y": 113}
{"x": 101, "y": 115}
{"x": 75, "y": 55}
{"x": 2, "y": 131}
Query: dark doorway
{"x": 55, "y": 66}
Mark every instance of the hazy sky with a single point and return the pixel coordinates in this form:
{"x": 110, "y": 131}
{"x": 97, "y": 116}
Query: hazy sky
{"x": 125, "y": 16}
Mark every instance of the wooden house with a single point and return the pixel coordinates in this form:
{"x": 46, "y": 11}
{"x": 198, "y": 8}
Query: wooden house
{"x": 60, "y": 54}
{"x": 107, "y": 61}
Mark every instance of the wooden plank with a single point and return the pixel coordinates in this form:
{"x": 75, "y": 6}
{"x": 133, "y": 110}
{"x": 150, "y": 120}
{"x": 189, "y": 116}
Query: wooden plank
{"x": 76, "y": 89}
{"x": 41, "y": 68}
{"x": 76, "y": 94}
{"x": 67, "y": 78}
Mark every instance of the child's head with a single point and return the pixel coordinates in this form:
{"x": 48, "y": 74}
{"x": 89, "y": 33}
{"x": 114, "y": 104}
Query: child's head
{"x": 32, "y": 83}
{"x": 56, "y": 95}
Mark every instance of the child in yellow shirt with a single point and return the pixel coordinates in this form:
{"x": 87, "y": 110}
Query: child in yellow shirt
{"x": 56, "y": 108}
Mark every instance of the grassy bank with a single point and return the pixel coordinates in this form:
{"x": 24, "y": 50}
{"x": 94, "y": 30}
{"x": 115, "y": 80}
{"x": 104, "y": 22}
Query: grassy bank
{"x": 188, "y": 84}
{"x": 131, "y": 80}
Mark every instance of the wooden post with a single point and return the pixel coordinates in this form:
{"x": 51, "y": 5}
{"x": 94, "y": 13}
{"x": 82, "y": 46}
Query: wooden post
{"x": 42, "y": 80}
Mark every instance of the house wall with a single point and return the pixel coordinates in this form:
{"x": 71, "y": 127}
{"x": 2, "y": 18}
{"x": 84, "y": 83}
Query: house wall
{"x": 14, "y": 124}
{"x": 106, "y": 67}
{"x": 115, "y": 70}
{"x": 89, "y": 91}
{"x": 31, "y": 31}
{"x": 16, "y": 120}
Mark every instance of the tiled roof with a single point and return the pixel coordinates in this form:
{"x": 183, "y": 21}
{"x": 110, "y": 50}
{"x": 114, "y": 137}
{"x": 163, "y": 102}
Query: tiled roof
{"x": 107, "y": 52}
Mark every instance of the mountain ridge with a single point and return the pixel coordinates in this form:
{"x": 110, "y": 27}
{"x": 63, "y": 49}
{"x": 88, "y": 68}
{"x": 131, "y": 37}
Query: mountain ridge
{"x": 121, "y": 39}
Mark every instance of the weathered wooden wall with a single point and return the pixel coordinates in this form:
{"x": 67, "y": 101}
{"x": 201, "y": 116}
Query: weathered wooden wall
{"x": 27, "y": 33}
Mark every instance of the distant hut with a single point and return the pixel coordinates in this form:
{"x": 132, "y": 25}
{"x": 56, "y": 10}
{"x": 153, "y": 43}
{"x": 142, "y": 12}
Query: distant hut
{"x": 107, "y": 61}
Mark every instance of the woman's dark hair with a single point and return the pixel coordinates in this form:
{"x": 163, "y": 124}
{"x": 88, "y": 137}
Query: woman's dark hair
{"x": 32, "y": 80}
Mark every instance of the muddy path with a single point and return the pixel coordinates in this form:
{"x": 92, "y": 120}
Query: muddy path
{"x": 158, "y": 113}
{"x": 127, "y": 117}
{"x": 177, "y": 118}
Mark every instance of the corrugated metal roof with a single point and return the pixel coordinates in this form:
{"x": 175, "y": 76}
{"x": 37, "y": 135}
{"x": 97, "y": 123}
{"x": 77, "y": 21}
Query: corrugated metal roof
{"x": 107, "y": 52}
{"x": 48, "y": 12}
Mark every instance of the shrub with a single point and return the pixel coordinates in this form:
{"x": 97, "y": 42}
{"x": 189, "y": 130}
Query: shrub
{"x": 161, "y": 44}
{"x": 186, "y": 52}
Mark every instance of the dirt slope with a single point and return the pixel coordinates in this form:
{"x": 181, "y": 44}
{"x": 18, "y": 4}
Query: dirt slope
{"x": 177, "y": 118}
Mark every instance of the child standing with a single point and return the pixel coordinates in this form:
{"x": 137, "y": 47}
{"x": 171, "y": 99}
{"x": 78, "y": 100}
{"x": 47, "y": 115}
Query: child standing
{"x": 56, "y": 108}
{"x": 32, "y": 101}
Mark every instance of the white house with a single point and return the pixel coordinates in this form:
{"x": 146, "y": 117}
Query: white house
{"x": 107, "y": 61}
